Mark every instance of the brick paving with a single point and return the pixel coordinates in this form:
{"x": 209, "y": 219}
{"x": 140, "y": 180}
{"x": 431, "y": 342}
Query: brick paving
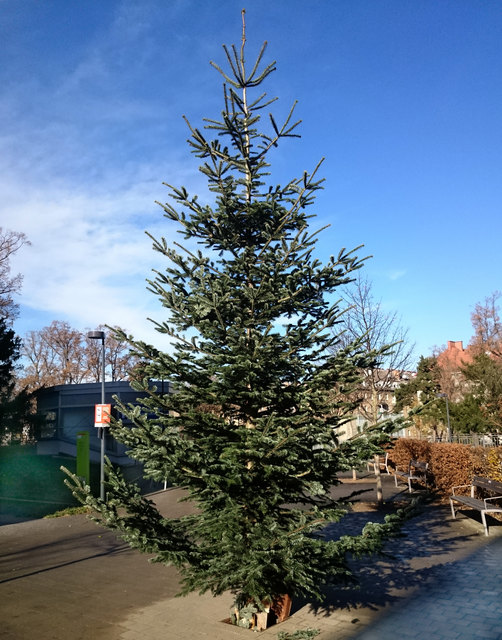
{"x": 69, "y": 578}
{"x": 462, "y": 602}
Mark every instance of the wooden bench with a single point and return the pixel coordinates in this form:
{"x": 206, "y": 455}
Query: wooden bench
{"x": 485, "y": 505}
{"x": 416, "y": 470}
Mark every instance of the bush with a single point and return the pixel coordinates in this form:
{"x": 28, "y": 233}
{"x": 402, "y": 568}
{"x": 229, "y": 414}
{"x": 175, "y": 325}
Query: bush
{"x": 406, "y": 449}
{"x": 450, "y": 464}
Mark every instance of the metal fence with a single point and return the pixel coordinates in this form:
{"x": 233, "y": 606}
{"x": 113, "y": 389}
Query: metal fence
{"x": 474, "y": 439}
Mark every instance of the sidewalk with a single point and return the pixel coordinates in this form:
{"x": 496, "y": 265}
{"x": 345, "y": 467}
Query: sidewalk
{"x": 69, "y": 578}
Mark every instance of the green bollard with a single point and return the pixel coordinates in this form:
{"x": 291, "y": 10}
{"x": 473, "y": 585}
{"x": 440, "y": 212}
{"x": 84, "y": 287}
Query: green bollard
{"x": 83, "y": 465}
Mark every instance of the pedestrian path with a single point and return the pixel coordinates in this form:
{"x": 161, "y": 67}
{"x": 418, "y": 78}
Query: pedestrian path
{"x": 69, "y": 578}
{"x": 463, "y": 602}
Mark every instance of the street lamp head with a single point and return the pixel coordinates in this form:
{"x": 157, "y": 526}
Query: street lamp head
{"x": 96, "y": 335}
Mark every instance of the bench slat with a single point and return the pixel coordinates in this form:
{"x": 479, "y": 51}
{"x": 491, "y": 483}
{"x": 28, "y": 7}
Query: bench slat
{"x": 488, "y": 484}
{"x": 471, "y": 502}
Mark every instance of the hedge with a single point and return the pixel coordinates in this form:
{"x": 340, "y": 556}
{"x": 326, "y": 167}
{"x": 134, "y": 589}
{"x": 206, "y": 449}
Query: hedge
{"x": 450, "y": 464}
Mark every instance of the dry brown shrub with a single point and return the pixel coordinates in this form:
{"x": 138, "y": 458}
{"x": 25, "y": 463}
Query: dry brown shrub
{"x": 406, "y": 449}
{"x": 450, "y": 465}
{"x": 479, "y": 461}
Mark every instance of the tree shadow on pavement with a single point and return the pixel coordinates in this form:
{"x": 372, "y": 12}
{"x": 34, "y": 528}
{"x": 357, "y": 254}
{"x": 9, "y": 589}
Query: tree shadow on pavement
{"x": 16, "y": 564}
{"x": 429, "y": 544}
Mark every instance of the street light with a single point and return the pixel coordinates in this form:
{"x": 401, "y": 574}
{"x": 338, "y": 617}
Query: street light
{"x": 448, "y": 428}
{"x": 100, "y": 335}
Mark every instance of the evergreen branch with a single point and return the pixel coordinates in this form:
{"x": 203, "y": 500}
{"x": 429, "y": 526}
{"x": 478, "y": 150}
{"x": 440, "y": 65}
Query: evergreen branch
{"x": 308, "y": 525}
{"x": 162, "y": 328}
{"x": 233, "y": 69}
{"x": 202, "y": 261}
{"x": 301, "y": 475}
{"x": 288, "y": 215}
{"x": 291, "y": 434}
{"x": 256, "y": 104}
{"x": 243, "y": 43}
{"x": 218, "y": 314}
{"x": 237, "y": 64}
{"x": 282, "y": 133}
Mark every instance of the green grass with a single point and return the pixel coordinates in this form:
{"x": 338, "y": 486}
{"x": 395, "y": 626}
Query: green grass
{"x": 33, "y": 486}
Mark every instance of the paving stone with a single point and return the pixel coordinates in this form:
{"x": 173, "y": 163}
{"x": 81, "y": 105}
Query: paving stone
{"x": 67, "y": 578}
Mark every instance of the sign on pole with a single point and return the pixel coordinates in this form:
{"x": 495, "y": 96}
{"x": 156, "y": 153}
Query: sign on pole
{"x": 102, "y": 415}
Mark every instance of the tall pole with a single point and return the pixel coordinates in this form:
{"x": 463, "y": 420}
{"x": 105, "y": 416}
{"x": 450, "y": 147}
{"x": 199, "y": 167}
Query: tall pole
{"x": 448, "y": 427}
{"x": 100, "y": 335}
{"x": 102, "y": 460}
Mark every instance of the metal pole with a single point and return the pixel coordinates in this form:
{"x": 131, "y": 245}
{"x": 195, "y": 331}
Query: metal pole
{"x": 100, "y": 335}
{"x": 102, "y": 462}
{"x": 448, "y": 427}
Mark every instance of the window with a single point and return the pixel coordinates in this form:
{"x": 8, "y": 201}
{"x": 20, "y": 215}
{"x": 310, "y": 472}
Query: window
{"x": 49, "y": 425}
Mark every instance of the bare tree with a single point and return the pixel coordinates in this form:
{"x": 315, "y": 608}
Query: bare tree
{"x": 39, "y": 372}
{"x": 487, "y": 326}
{"x": 55, "y": 355}
{"x": 365, "y": 316}
{"x": 60, "y": 354}
{"x": 10, "y": 242}
{"x": 119, "y": 361}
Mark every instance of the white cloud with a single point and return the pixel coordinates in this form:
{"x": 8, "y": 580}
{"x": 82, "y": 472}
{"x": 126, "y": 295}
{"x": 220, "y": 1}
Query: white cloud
{"x": 396, "y": 274}
{"x": 89, "y": 256}
{"x": 80, "y": 169}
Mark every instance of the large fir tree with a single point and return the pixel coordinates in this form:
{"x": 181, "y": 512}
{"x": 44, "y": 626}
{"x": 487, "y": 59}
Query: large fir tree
{"x": 250, "y": 431}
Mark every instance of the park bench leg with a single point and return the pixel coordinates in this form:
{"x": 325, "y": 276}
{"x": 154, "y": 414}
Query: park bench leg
{"x": 452, "y": 509}
{"x": 483, "y": 518}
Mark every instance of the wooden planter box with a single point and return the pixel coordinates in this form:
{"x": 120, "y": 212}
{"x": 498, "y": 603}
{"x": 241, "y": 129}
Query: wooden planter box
{"x": 278, "y": 611}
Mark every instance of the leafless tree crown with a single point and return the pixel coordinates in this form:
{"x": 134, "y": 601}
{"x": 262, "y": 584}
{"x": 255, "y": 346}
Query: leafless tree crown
{"x": 10, "y": 243}
{"x": 60, "y": 354}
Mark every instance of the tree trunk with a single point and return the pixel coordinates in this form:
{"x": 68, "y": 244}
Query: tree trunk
{"x": 378, "y": 476}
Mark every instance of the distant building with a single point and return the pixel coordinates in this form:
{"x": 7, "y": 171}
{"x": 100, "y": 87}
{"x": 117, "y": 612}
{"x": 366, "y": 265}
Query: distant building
{"x": 455, "y": 356}
{"x": 450, "y": 362}
{"x": 377, "y": 400}
{"x": 68, "y": 409}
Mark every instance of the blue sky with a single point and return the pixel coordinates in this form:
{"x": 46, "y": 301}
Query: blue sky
{"x": 402, "y": 97}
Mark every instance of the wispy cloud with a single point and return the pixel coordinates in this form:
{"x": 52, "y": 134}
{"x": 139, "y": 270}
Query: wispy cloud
{"x": 396, "y": 274}
{"x": 89, "y": 256}
{"x": 80, "y": 169}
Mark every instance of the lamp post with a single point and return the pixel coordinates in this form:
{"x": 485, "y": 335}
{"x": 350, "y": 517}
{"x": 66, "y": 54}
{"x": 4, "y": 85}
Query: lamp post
{"x": 100, "y": 335}
{"x": 448, "y": 427}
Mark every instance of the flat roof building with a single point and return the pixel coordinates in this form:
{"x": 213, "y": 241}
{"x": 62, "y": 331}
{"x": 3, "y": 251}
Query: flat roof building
{"x": 68, "y": 409}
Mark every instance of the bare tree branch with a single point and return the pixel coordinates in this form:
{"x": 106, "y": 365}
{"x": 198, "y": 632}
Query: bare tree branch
{"x": 10, "y": 243}
{"x": 365, "y": 316}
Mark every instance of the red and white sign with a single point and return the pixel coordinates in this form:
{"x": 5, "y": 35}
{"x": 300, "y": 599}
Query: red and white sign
{"x": 102, "y": 414}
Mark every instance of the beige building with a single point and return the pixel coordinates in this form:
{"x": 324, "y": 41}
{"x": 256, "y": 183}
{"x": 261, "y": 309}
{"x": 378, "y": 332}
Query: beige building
{"x": 377, "y": 400}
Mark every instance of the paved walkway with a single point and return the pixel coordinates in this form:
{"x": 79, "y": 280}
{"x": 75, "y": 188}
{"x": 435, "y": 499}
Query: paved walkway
{"x": 68, "y": 578}
{"x": 464, "y": 602}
